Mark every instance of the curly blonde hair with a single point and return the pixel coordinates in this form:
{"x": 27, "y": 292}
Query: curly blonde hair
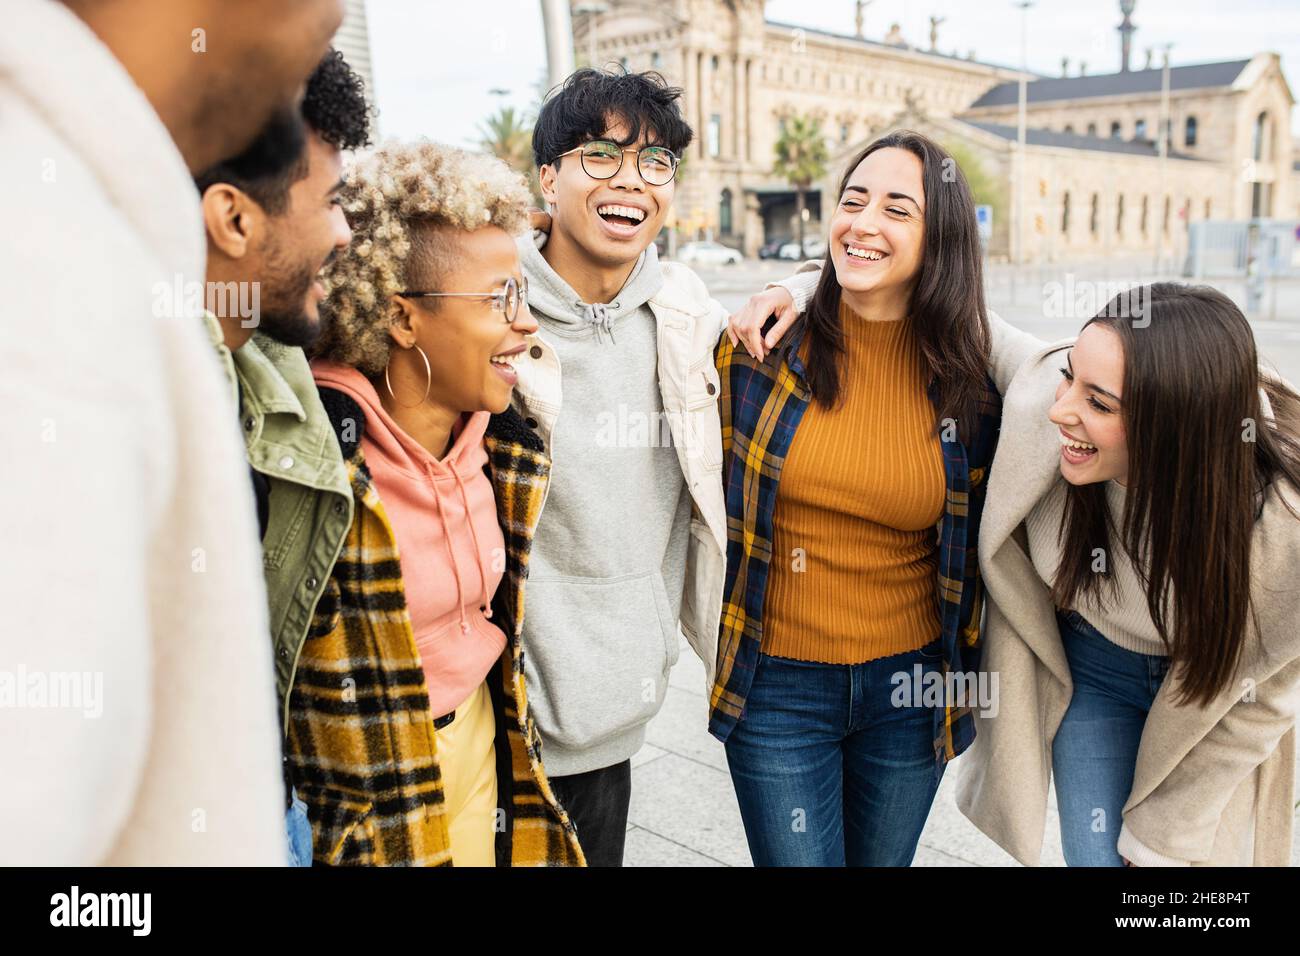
{"x": 390, "y": 197}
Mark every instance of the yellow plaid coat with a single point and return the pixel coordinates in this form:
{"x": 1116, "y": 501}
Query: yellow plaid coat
{"x": 362, "y": 748}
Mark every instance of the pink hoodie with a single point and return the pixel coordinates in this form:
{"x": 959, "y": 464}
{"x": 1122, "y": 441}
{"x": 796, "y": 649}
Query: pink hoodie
{"x": 444, "y": 516}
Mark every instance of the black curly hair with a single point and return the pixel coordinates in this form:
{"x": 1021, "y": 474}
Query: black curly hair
{"x": 335, "y": 104}
{"x": 583, "y": 107}
{"x": 334, "y": 107}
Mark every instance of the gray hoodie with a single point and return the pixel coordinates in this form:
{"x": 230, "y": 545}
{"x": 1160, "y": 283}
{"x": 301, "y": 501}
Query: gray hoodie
{"x": 608, "y": 561}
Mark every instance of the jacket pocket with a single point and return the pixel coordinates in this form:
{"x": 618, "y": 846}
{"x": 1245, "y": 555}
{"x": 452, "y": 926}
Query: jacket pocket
{"x": 598, "y": 652}
{"x": 703, "y": 387}
{"x": 342, "y": 827}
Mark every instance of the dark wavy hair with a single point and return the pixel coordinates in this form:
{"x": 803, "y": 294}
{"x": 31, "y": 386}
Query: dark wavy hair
{"x": 946, "y": 310}
{"x": 334, "y": 107}
{"x": 1196, "y": 478}
{"x": 584, "y": 106}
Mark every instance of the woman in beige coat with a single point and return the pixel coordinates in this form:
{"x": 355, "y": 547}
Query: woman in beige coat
{"x": 1163, "y": 701}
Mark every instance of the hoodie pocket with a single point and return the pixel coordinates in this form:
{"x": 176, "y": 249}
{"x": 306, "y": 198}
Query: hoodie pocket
{"x": 597, "y": 655}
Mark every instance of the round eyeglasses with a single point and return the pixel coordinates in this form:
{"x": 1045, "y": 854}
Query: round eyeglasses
{"x": 602, "y": 159}
{"x": 505, "y": 300}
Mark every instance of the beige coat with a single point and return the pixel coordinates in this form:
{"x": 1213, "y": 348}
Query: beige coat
{"x": 1213, "y": 785}
{"x": 132, "y": 561}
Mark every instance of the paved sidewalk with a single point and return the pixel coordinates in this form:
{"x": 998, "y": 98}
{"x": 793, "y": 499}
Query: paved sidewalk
{"x": 684, "y": 811}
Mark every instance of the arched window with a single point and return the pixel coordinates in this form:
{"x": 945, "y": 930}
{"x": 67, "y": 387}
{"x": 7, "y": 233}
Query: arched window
{"x": 1092, "y": 220}
{"x": 1065, "y": 213}
{"x": 1092, "y": 129}
{"x": 1115, "y": 130}
{"x": 1119, "y": 216}
{"x": 1140, "y": 129}
{"x": 1146, "y": 206}
{"x": 1263, "y": 137}
{"x": 1165, "y": 227}
{"x": 1189, "y": 131}
{"x": 1208, "y": 207}
{"x": 724, "y": 213}
{"x": 1068, "y": 128}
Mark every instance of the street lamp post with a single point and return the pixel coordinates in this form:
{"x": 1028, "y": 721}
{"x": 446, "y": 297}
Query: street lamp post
{"x": 1165, "y": 133}
{"x": 1019, "y": 234}
{"x": 559, "y": 40}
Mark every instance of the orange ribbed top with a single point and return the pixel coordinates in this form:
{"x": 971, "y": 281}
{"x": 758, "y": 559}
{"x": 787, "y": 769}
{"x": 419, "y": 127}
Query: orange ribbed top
{"x": 854, "y": 544}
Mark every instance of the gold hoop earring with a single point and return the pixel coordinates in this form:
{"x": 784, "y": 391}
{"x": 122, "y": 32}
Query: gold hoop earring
{"x": 428, "y": 374}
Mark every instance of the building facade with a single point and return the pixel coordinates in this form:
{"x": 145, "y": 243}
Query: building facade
{"x": 1092, "y": 181}
{"x": 353, "y": 41}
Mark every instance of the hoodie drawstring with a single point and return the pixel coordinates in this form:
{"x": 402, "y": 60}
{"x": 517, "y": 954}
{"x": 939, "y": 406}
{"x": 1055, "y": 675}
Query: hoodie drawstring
{"x": 597, "y": 315}
{"x": 485, "y": 601}
{"x": 451, "y": 552}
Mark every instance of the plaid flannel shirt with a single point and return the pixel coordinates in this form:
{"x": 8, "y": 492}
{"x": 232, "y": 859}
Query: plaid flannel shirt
{"x": 761, "y": 405}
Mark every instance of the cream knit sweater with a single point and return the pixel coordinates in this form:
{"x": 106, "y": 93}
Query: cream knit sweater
{"x": 137, "y": 707}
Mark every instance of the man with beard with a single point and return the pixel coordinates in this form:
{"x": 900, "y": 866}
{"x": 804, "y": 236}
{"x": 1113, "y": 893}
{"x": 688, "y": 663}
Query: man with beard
{"x": 273, "y": 220}
{"x": 130, "y": 546}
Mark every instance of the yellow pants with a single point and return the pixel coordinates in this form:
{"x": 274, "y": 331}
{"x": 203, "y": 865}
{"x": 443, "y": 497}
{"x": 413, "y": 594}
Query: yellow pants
{"x": 467, "y": 759}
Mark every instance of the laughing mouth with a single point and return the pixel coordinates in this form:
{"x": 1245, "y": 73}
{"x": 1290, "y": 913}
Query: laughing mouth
{"x": 506, "y": 360}
{"x": 871, "y": 255}
{"x": 621, "y": 215}
{"x": 1076, "y": 444}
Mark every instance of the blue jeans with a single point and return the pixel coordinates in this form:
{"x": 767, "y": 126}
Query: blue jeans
{"x": 829, "y": 772}
{"x": 1095, "y": 750}
{"x": 299, "y": 830}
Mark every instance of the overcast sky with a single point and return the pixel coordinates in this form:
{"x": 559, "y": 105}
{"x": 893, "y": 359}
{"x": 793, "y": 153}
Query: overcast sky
{"x": 437, "y": 62}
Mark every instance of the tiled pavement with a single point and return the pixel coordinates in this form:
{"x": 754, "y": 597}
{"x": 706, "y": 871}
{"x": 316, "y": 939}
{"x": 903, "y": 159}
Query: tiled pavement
{"x": 684, "y": 811}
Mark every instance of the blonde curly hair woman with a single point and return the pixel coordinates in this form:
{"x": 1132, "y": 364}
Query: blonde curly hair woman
{"x": 409, "y": 690}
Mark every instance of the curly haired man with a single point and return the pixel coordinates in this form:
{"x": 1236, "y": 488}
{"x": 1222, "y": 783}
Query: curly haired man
{"x": 274, "y": 220}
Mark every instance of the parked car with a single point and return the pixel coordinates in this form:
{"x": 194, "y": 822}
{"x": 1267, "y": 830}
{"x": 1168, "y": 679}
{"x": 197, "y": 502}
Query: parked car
{"x": 709, "y": 254}
{"x": 812, "y": 249}
{"x": 772, "y": 247}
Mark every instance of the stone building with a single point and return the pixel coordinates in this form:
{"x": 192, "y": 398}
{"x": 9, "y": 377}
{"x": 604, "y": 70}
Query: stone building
{"x": 353, "y": 41}
{"x": 1094, "y": 182}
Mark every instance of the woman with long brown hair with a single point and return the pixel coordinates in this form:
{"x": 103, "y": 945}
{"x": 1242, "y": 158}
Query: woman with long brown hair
{"x": 1139, "y": 546}
{"x": 853, "y": 467}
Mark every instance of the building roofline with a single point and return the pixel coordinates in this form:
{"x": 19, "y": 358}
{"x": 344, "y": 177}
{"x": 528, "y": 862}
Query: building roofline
{"x": 914, "y": 51}
{"x": 1051, "y": 89}
{"x": 1054, "y": 139}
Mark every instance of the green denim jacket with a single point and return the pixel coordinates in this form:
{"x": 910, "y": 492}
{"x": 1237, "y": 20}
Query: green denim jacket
{"x": 290, "y": 441}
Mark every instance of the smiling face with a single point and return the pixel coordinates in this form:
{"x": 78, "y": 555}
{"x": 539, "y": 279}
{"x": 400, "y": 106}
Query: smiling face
{"x": 298, "y": 244}
{"x": 1089, "y": 409}
{"x": 469, "y": 344}
{"x": 877, "y": 234}
{"x": 613, "y": 220}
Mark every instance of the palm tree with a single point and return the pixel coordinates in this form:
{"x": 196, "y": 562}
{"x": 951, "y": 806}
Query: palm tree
{"x": 800, "y": 158}
{"x": 508, "y": 135}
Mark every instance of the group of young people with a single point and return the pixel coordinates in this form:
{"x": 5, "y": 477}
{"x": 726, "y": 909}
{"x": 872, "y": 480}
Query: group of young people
{"x": 475, "y": 592}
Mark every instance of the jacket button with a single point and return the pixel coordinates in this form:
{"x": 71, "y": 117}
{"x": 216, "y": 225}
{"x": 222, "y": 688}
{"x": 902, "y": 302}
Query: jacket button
{"x": 710, "y": 388}
{"x": 535, "y": 351}
{"x": 284, "y": 654}
{"x": 339, "y": 508}
{"x": 286, "y": 462}
{"x": 249, "y": 423}
{"x": 311, "y": 584}
{"x": 530, "y": 422}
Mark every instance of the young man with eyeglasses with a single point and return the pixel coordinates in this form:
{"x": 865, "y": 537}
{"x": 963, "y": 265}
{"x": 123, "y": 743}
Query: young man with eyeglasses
{"x": 621, "y": 387}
